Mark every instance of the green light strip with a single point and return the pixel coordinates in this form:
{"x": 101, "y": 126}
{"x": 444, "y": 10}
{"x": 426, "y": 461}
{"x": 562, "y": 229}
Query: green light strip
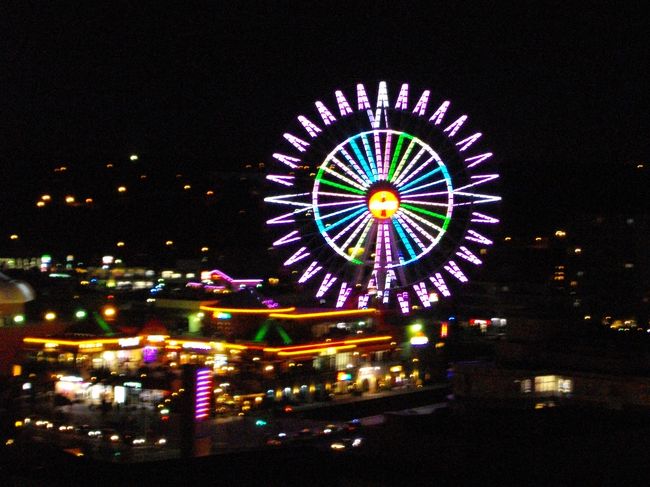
{"x": 404, "y": 159}
{"x": 430, "y": 213}
{"x": 342, "y": 186}
{"x": 398, "y": 148}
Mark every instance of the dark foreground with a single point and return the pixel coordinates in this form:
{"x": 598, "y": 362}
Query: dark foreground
{"x": 548, "y": 447}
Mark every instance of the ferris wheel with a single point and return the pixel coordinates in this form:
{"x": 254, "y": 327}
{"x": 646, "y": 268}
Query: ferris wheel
{"x": 383, "y": 202}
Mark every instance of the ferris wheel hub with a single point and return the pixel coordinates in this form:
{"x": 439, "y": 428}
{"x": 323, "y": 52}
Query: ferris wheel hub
{"x": 383, "y": 204}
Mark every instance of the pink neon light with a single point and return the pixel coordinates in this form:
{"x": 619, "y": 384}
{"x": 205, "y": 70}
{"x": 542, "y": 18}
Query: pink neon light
{"x": 477, "y": 237}
{"x": 476, "y": 160}
{"x": 380, "y": 233}
{"x": 402, "y": 98}
{"x": 439, "y": 283}
{"x": 481, "y": 218}
{"x": 290, "y": 237}
{"x": 282, "y": 219}
{"x": 344, "y": 292}
{"x": 387, "y": 150}
{"x": 300, "y": 254}
{"x": 362, "y": 98}
{"x": 344, "y": 106}
{"x": 403, "y": 300}
{"x": 390, "y": 277}
{"x": 438, "y": 115}
{"x": 478, "y": 179}
{"x": 455, "y": 126}
{"x": 468, "y": 141}
{"x": 421, "y": 291}
{"x": 325, "y": 285}
{"x": 312, "y": 129}
{"x": 377, "y": 140}
{"x": 292, "y": 162}
{"x": 325, "y": 114}
{"x": 299, "y": 144}
{"x": 202, "y": 394}
{"x": 387, "y": 247}
{"x": 455, "y": 271}
{"x": 311, "y": 270}
{"x": 421, "y": 106}
{"x": 283, "y": 180}
{"x": 466, "y": 254}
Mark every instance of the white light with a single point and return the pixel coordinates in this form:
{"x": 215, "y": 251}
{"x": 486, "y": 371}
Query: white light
{"x": 292, "y": 162}
{"x": 298, "y": 143}
{"x": 421, "y": 106}
{"x": 402, "y": 98}
{"x": 438, "y": 115}
{"x": 312, "y": 129}
{"x": 300, "y": 254}
{"x": 344, "y": 106}
{"x": 455, "y": 126}
{"x": 325, "y": 114}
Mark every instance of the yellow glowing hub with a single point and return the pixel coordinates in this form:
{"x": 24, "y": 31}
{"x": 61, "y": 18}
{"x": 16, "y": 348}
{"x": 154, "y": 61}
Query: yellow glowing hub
{"x": 383, "y": 204}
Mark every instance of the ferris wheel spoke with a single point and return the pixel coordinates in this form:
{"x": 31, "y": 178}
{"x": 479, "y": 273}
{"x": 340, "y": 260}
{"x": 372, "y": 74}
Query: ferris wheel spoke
{"x": 367, "y": 176}
{"x": 357, "y": 224}
{"x": 339, "y": 222}
{"x": 377, "y": 142}
{"x": 403, "y": 239}
{"x": 409, "y": 230}
{"x": 339, "y": 212}
{"x": 344, "y": 187}
{"x": 396, "y": 169}
{"x": 424, "y": 177}
{"x": 371, "y": 159}
{"x": 360, "y": 187}
{"x": 362, "y": 239}
{"x": 362, "y": 160}
{"x": 387, "y": 148}
{"x": 341, "y": 165}
{"x": 426, "y": 222}
{"x": 393, "y": 161}
{"x": 408, "y": 173}
{"x": 405, "y": 164}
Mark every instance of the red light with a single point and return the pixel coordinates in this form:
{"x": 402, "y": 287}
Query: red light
{"x": 288, "y": 409}
{"x": 444, "y": 330}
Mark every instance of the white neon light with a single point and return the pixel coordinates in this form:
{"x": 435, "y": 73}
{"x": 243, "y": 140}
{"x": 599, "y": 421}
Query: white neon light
{"x": 476, "y": 160}
{"x": 286, "y": 200}
{"x": 408, "y": 174}
{"x": 387, "y": 149}
{"x": 378, "y": 241}
{"x": 466, "y": 254}
{"x": 439, "y": 283}
{"x": 344, "y": 106}
{"x": 481, "y": 218}
{"x": 477, "y": 180}
{"x": 283, "y": 180}
{"x": 398, "y": 175}
{"x": 455, "y": 126}
{"x": 402, "y": 98}
{"x": 455, "y": 271}
{"x": 390, "y": 277}
{"x": 325, "y": 285}
{"x": 475, "y": 198}
{"x": 477, "y": 237}
{"x": 363, "y": 236}
{"x": 354, "y": 164}
{"x": 298, "y": 143}
{"x": 422, "y": 293}
{"x": 362, "y": 98}
{"x": 363, "y": 301}
{"x": 403, "y": 300}
{"x": 412, "y": 234}
{"x": 313, "y": 268}
{"x": 377, "y": 139}
{"x": 439, "y": 114}
{"x": 421, "y": 106}
{"x": 325, "y": 114}
{"x": 286, "y": 218}
{"x": 292, "y": 162}
{"x": 300, "y": 254}
{"x": 382, "y": 105}
{"x": 359, "y": 223}
{"x": 413, "y": 223}
{"x": 468, "y": 141}
{"x": 312, "y": 129}
{"x": 289, "y": 237}
{"x": 344, "y": 292}
{"x": 366, "y": 146}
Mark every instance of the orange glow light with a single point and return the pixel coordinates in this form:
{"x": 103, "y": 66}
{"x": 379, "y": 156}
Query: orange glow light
{"x": 383, "y": 204}
{"x": 278, "y": 313}
{"x": 339, "y": 343}
{"x": 269, "y": 311}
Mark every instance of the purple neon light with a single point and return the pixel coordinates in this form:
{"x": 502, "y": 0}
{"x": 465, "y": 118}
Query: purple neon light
{"x": 481, "y": 218}
{"x": 439, "y": 114}
{"x": 344, "y": 292}
{"x": 421, "y": 106}
{"x": 312, "y": 129}
{"x": 325, "y": 114}
{"x": 421, "y": 291}
{"x": 344, "y": 106}
{"x": 474, "y": 198}
{"x": 402, "y": 98}
{"x": 439, "y": 283}
{"x": 290, "y": 237}
{"x": 362, "y": 98}
{"x": 455, "y": 126}
{"x": 202, "y": 394}
{"x": 455, "y": 271}
{"x": 377, "y": 140}
{"x": 466, "y": 254}
{"x": 363, "y": 301}
{"x": 403, "y": 300}
{"x": 477, "y": 237}
{"x": 476, "y": 160}
{"x": 478, "y": 179}
{"x": 300, "y": 254}
{"x": 284, "y": 219}
{"x": 325, "y": 285}
{"x": 283, "y": 180}
{"x": 298, "y": 143}
{"x": 390, "y": 277}
{"x": 387, "y": 149}
{"x": 292, "y": 162}
{"x": 465, "y": 143}
{"x": 378, "y": 242}
{"x": 311, "y": 270}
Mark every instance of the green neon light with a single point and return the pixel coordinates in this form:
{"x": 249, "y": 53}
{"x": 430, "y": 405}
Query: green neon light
{"x": 261, "y": 333}
{"x": 430, "y": 213}
{"x": 398, "y": 148}
{"x": 284, "y": 335}
{"x": 405, "y": 158}
{"x": 342, "y": 186}
{"x": 103, "y": 325}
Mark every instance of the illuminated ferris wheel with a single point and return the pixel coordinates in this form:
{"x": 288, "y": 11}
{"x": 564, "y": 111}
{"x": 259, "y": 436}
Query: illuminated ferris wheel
{"x": 384, "y": 202}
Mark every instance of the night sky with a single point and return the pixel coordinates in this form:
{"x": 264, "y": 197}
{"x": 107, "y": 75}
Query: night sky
{"x": 561, "y": 91}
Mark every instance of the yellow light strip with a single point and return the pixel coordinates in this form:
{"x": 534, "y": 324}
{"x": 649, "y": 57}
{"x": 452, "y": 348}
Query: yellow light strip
{"x": 329, "y": 344}
{"x": 72, "y": 342}
{"x": 321, "y": 314}
{"x": 316, "y": 350}
{"x": 247, "y": 310}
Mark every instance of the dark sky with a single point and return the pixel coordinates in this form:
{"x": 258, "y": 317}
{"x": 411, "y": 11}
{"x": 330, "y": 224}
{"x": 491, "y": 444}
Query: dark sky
{"x": 561, "y": 90}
